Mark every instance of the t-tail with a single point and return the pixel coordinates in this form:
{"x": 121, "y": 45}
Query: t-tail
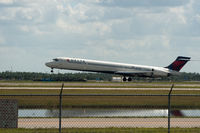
{"x": 178, "y": 64}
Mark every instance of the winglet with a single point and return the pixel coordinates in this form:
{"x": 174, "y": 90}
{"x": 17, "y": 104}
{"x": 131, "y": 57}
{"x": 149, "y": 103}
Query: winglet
{"x": 178, "y": 64}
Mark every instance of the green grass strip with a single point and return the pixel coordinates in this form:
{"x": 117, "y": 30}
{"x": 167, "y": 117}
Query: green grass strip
{"x": 104, "y": 130}
{"x": 181, "y": 102}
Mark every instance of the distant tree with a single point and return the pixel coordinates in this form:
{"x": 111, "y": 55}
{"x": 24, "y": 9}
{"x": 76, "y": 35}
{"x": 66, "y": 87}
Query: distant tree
{"x": 85, "y": 76}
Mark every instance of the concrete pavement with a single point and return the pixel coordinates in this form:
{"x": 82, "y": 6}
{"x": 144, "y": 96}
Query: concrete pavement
{"x": 108, "y": 122}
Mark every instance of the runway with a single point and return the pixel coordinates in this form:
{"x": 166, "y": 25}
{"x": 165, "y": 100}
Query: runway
{"x": 97, "y": 84}
{"x": 108, "y": 122}
{"x": 96, "y": 88}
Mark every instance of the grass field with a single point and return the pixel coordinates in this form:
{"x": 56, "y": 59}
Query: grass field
{"x": 104, "y": 101}
{"x": 101, "y": 101}
{"x": 106, "y": 130}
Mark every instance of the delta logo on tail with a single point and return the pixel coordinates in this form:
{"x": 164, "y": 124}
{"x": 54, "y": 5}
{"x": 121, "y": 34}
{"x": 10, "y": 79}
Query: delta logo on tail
{"x": 178, "y": 64}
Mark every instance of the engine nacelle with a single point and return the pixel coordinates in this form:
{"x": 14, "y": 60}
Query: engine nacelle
{"x": 159, "y": 73}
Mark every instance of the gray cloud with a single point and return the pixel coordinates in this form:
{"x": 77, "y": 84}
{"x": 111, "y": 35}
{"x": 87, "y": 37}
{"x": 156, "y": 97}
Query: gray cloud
{"x": 142, "y": 3}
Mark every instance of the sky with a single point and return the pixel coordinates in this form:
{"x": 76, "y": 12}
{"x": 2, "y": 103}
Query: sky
{"x": 146, "y": 32}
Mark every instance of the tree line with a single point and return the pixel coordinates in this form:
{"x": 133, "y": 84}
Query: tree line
{"x": 53, "y": 77}
{"x": 85, "y": 76}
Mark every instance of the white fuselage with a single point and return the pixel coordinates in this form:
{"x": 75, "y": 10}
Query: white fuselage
{"x": 109, "y": 67}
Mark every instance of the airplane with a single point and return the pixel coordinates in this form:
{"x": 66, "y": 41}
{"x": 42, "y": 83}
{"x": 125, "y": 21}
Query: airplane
{"x": 126, "y": 70}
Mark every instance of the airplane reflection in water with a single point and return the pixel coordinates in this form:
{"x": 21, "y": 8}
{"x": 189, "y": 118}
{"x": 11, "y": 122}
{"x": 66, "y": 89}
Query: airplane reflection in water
{"x": 90, "y": 112}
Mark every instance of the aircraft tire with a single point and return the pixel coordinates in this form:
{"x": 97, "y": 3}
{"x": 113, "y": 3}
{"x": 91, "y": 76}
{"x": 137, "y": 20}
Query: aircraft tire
{"x": 129, "y": 79}
{"x": 124, "y": 79}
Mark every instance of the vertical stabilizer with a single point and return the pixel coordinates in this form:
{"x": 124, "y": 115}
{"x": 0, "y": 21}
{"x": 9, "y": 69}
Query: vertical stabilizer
{"x": 178, "y": 64}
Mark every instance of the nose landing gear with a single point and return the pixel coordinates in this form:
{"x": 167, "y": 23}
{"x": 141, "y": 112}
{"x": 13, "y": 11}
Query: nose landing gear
{"x": 51, "y": 70}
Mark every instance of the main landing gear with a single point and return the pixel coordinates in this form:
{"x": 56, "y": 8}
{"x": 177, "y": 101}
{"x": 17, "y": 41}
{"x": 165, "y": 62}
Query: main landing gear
{"x": 125, "y": 79}
{"x": 51, "y": 70}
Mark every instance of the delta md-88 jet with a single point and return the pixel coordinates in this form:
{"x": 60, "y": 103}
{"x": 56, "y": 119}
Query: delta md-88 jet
{"x": 125, "y": 70}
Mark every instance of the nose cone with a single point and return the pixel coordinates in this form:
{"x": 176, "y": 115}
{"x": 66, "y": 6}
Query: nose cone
{"x": 48, "y": 64}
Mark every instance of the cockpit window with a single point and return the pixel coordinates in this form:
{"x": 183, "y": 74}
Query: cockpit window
{"x": 55, "y": 59}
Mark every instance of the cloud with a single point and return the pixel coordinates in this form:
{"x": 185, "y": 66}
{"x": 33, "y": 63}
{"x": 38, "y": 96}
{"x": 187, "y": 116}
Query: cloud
{"x": 33, "y": 29}
{"x": 123, "y": 49}
{"x": 89, "y": 29}
{"x": 6, "y": 1}
{"x": 129, "y": 31}
{"x": 142, "y": 3}
{"x": 2, "y": 40}
{"x": 179, "y": 13}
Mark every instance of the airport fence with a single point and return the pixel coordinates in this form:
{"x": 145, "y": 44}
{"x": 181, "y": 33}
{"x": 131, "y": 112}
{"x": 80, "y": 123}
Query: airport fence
{"x": 101, "y": 112}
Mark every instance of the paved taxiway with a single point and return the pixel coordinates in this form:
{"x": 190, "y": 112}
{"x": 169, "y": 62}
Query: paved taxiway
{"x": 108, "y": 122}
